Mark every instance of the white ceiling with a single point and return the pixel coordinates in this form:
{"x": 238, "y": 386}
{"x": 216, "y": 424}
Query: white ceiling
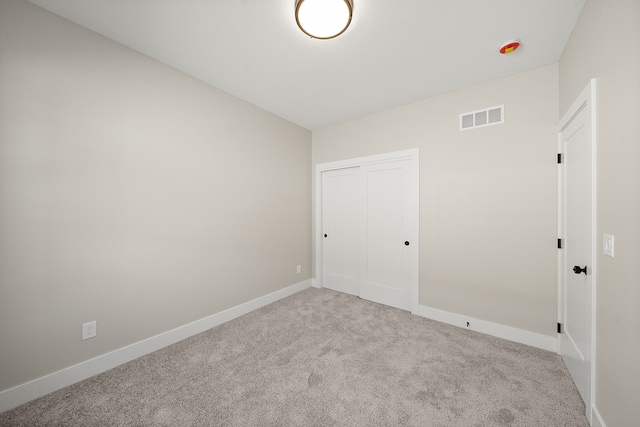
{"x": 395, "y": 52}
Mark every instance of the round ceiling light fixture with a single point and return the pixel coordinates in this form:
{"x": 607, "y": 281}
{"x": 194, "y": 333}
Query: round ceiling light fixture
{"x": 323, "y": 19}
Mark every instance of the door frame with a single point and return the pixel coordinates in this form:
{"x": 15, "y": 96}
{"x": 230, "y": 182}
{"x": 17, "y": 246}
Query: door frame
{"x": 585, "y": 101}
{"x": 413, "y": 156}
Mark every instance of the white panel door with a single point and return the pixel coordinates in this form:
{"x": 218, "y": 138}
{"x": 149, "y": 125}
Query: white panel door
{"x": 340, "y": 212}
{"x": 577, "y": 254}
{"x": 385, "y": 233}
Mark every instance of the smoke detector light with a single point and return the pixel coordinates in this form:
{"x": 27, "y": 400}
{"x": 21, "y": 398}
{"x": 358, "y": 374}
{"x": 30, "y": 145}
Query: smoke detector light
{"x": 509, "y": 47}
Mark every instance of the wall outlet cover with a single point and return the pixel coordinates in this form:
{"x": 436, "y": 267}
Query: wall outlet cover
{"x": 88, "y": 330}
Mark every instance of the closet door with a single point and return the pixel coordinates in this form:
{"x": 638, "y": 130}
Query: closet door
{"x": 340, "y": 210}
{"x": 385, "y": 233}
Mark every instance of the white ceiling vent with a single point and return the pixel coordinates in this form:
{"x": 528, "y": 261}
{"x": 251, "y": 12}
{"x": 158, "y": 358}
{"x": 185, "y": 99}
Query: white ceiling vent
{"x": 487, "y": 117}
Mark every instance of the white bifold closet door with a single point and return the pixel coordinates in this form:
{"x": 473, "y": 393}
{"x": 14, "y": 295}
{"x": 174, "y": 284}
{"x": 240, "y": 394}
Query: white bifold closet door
{"x": 366, "y": 232}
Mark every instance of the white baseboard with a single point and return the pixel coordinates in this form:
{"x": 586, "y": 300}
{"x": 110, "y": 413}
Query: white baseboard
{"x": 522, "y": 336}
{"x": 39, "y": 387}
{"x": 596, "y": 419}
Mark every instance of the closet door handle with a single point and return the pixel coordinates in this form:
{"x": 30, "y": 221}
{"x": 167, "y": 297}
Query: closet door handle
{"x": 406, "y": 243}
{"x": 325, "y": 235}
{"x": 579, "y": 270}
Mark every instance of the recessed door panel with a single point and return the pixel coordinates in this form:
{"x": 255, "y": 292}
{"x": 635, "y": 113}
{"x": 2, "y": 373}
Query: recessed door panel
{"x": 577, "y": 259}
{"x": 340, "y": 229}
{"x": 385, "y": 234}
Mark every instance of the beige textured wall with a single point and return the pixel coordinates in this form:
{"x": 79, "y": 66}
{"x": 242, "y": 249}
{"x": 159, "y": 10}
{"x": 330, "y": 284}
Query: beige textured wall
{"x": 488, "y": 197}
{"x": 606, "y": 45}
{"x": 131, "y": 194}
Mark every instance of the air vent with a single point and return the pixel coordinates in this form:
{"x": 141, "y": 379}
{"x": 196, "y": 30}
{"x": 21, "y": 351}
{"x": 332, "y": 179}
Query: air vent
{"x": 481, "y": 118}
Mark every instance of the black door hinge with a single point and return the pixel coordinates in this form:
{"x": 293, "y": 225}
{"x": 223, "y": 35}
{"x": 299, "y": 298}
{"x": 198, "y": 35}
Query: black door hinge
{"x": 559, "y": 328}
{"x": 559, "y": 243}
{"x": 559, "y": 158}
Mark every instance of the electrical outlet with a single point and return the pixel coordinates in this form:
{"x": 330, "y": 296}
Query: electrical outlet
{"x": 299, "y": 269}
{"x": 88, "y": 330}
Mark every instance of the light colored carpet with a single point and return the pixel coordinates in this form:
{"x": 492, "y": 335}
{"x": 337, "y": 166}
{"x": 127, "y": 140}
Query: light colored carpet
{"x": 323, "y": 358}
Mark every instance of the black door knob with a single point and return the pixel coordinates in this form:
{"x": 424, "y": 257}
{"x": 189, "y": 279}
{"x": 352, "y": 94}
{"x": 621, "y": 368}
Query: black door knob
{"x": 577, "y": 269}
{"x": 325, "y": 235}
{"x": 406, "y": 243}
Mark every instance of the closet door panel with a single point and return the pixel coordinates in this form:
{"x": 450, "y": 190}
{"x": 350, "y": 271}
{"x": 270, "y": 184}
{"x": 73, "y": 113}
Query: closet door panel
{"x": 340, "y": 210}
{"x": 384, "y": 234}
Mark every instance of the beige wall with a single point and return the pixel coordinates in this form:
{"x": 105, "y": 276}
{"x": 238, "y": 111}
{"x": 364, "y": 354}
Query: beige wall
{"x": 488, "y": 197}
{"x": 606, "y": 45}
{"x": 131, "y": 194}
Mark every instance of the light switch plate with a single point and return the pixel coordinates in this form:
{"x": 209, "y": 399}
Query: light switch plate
{"x": 607, "y": 244}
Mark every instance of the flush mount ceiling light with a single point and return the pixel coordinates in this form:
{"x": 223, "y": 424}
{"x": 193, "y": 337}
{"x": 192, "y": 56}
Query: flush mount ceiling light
{"x": 323, "y": 19}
